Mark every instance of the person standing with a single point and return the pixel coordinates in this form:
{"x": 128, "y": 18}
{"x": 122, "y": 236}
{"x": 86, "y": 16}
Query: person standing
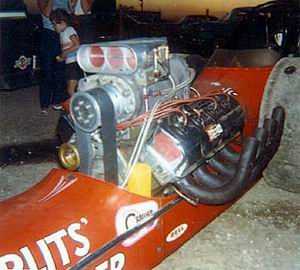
{"x": 81, "y": 7}
{"x": 86, "y": 23}
{"x": 70, "y": 43}
{"x": 52, "y": 83}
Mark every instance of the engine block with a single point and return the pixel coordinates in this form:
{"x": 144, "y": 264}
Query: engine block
{"x": 144, "y": 83}
{"x": 180, "y": 145}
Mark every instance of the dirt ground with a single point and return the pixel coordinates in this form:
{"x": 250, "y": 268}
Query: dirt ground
{"x": 261, "y": 231}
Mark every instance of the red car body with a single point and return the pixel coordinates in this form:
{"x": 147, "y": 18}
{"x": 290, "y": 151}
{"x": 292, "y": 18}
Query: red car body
{"x": 68, "y": 215}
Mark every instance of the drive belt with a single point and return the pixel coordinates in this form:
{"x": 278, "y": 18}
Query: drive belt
{"x": 108, "y": 132}
{"x": 108, "y": 136}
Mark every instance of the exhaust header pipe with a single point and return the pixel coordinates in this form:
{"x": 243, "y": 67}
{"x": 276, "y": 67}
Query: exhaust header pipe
{"x": 229, "y": 173}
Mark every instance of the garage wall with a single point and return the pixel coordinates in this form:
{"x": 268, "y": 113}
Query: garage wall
{"x": 178, "y": 8}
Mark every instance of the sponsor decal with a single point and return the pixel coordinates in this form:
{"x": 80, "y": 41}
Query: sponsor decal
{"x": 132, "y": 215}
{"x": 229, "y": 91}
{"x": 116, "y": 262}
{"x": 25, "y": 258}
{"x": 215, "y": 83}
{"x": 176, "y": 233}
{"x": 23, "y": 62}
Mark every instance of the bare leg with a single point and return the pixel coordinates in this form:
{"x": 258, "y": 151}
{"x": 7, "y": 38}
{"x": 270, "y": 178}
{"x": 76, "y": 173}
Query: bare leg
{"x": 71, "y": 87}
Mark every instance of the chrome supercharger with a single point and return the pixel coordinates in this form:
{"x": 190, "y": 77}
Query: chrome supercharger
{"x": 136, "y": 104}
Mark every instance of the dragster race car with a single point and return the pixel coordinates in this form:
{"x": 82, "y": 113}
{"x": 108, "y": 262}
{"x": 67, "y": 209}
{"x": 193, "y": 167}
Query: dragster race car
{"x": 155, "y": 153}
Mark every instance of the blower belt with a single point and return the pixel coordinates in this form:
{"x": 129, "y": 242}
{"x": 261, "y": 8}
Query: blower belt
{"x": 108, "y": 136}
{"x": 108, "y": 132}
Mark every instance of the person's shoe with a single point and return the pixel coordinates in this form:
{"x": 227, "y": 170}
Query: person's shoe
{"x": 57, "y": 107}
{"x": 44, "y": 111}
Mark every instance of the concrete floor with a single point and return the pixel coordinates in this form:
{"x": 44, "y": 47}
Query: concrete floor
{"x": 261, "y": 231}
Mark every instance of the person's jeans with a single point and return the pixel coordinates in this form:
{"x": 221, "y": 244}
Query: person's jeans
{"x": 52, "y": 82}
